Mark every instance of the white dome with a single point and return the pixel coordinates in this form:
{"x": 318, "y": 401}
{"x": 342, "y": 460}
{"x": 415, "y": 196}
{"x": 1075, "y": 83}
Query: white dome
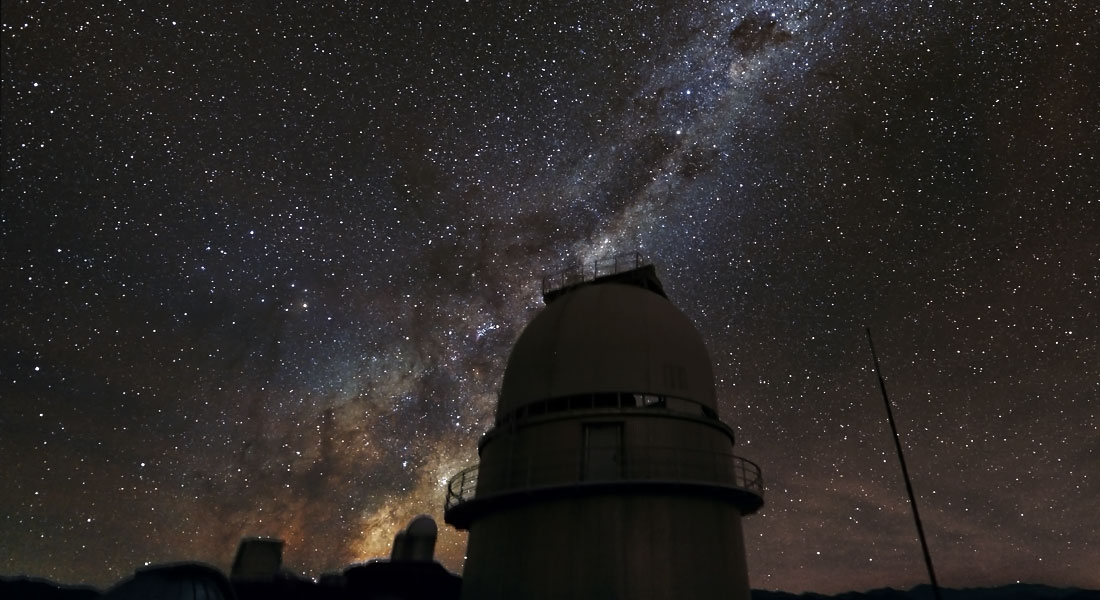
{"x": 603, "y": 338}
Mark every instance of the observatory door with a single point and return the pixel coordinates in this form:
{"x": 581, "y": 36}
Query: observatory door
{"x": 603, "y": 451}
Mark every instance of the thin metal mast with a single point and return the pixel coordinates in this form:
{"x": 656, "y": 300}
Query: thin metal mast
{"x": 905, "y": 472}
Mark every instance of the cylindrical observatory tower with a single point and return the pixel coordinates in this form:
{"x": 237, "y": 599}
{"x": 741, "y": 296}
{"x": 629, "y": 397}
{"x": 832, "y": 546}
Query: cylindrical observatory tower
{"x": 607, "y": 473}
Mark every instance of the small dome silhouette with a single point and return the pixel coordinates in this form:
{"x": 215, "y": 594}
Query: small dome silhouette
{"x": 422, "y": 526}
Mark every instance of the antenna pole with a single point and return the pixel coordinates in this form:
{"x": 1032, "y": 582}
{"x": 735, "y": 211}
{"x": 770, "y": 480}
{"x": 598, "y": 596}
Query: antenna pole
{"x": 905, "y": 472}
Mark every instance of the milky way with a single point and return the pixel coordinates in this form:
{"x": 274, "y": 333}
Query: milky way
{"x": 263, "y": 266}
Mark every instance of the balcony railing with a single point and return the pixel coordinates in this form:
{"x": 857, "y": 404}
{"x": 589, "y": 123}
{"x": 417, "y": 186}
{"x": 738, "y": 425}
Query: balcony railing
{"x": 671, "y": 465}
{"x": 600, "y": 267}
{"x": 462, "y": 487}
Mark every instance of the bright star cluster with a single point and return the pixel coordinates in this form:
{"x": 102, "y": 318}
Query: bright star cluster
{"x": 263, "y": 264}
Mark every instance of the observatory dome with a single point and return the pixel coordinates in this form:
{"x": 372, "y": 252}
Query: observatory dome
{"x": 608, "y": 337}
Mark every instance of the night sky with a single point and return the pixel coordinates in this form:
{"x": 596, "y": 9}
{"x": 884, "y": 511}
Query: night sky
{"x": 262, "y": 266}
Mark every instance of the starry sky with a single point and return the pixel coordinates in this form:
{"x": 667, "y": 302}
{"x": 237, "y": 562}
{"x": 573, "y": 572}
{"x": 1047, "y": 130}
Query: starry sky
{"x": 262, "y": 266}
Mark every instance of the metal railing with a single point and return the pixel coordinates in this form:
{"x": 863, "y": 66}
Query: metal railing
{"x": 601, "y": 267}
{"x": 462, "y": 487}
{"x": 664, "y": 464}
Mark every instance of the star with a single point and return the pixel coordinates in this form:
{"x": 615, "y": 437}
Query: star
{"x": 264, "y": 267}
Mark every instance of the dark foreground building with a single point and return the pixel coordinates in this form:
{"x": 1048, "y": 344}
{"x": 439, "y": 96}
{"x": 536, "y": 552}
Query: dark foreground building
{"x": 608, "y": 473}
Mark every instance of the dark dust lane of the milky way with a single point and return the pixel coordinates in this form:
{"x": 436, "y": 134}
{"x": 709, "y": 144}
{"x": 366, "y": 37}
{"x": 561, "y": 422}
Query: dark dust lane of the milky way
{"x": 262, "y": 266}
